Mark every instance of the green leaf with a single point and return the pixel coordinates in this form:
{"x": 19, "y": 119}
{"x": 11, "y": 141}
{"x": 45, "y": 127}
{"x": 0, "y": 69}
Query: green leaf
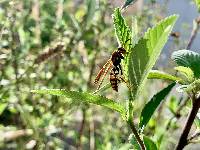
{"x": 198, "y": 4}
{"x": 123, "y": 35}
{"x": 127, "y": 3}
{"x": 151, "y": 106}
{"x": 122, "y": 31}
{"x": 85, "y": 97}
{"x": 144, "y": 54}
{"x": 3, "y": 107}
{"x": 197, "y": 122}
{"x": 187, "y": 72}
{"x": 149, "y": 144}
{"x": 156, "y": 74}
{"x": 173, "y": 103}
{"x": 189, "y": 59}
{"x": 91, "y": 8}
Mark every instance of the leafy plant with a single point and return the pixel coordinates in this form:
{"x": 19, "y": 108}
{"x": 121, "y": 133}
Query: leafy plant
{"x": 137, "y": 64}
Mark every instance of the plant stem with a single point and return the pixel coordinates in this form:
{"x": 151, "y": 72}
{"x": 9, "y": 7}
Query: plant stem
{"x": 134, "y": 130}
{"x": 183, "y": 139}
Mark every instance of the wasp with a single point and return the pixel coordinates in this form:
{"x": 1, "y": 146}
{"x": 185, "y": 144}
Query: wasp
{"x": 114, "y": 66}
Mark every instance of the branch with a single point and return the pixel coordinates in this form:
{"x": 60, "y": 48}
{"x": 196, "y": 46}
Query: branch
{"x": 196, "y": 27}
{"x": 183, "y": 139}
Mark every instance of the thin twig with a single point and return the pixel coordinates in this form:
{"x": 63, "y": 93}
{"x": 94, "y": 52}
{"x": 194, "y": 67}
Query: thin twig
{"x": 196, "y": 27}
{"x": 183, "y": 139}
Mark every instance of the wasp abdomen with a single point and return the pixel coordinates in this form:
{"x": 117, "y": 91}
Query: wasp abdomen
{"x": 114, "y": 80}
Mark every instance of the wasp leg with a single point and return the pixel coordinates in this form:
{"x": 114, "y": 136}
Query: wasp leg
{"x": 116, "y": 70}
{"x": 123, "y": 79}
{"x": 120, "y": 68}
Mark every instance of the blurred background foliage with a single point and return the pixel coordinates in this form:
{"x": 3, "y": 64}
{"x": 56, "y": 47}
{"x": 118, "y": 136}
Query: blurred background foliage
{"x": 62, "y": 44}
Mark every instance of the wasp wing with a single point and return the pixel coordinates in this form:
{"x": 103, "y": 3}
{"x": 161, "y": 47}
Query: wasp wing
{"x": 103, "y": 71}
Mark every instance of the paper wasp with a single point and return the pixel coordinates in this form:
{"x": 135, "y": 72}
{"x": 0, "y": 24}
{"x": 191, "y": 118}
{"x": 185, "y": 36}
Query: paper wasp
{"x": 114, "y": 66}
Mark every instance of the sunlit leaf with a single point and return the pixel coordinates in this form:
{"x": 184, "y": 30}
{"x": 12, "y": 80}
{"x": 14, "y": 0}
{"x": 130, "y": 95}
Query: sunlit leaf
{"x": 189, "y": 59}
{"x": 122, "y": 31}
{"x": 156, "y": 74}
{"x": 84, "y": 97}
{"x": 187, "y": 72}
{"x": 151, "y": 106}
{"x": 124, "y": 36}
{"x": 145, "y": 53}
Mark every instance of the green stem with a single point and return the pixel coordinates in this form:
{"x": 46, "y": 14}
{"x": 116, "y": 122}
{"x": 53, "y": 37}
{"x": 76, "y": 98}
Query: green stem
{"x": 132, "y": 126}
{"x": 134, "y": 130}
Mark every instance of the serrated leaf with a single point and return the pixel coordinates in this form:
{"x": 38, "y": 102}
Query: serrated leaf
{"x": 156, "y": 74}
{"x": 123, "y": 35}
{"x": 151, "y": 106}
{"x": 84, "y": 97}
{"x": 127, "y": 3}
{"x": 144, "y": 54}
{"x": 189, "y": 59}
{"x": 149, "y": 144}
{"x": 122, "y": 31}
{"x": 187, "y": 72}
